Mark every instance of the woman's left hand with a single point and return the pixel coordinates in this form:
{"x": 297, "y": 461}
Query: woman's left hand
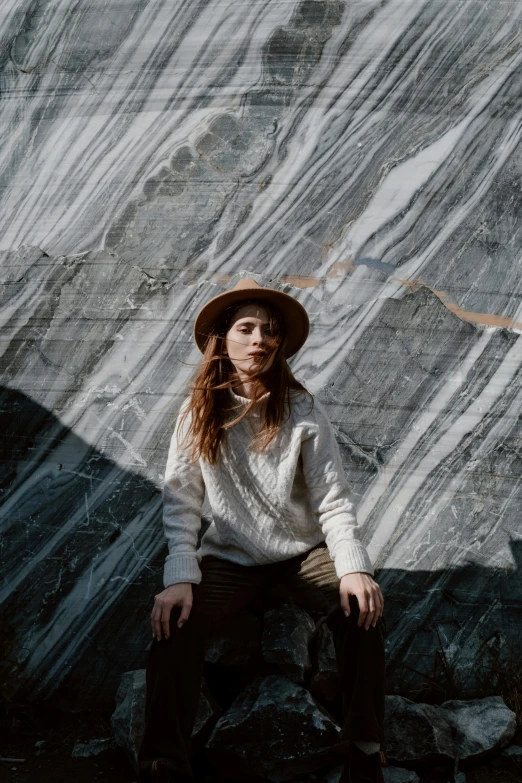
{"x": 368, "y": 594}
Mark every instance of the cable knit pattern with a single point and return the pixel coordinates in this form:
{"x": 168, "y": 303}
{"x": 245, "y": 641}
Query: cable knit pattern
{"x": 266, "y": 507}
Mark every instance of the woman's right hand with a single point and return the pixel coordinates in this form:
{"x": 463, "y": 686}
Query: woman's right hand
{"x": 175, "y": 595}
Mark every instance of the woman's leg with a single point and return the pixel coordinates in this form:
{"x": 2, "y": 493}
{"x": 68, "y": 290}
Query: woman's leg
{"x": 175, "y": 665}
{"x": 360, "y": 661}
{"x": 313, "y": 583}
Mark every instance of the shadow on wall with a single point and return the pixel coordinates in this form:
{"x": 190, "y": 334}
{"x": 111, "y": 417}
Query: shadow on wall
{"x": 82, "y": 556}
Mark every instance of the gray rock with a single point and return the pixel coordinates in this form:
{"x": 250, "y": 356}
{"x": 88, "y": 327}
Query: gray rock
{"x": 324, "y": 682}
{"x": 334, "y": 774}
{"x": 287, "y": 633}
{"x": 92, "y": 748}
{"x": 208, "y": 713}
{"x": 128, "y": 718}
{"x": 512, "y": 752}
{"x": 399, "y": 775}
{"x": 509, "y": 760}
{"x": 237, "y": 644}
{"x": 275, "y": 731}
{"x": 417, "y": 733}
{"x": 457, "y": 730}
{"x": 483, "y": 726}
{"x": 391, "y": 775}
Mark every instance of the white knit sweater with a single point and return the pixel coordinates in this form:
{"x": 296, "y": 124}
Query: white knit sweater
{"x": 265, "y": 507}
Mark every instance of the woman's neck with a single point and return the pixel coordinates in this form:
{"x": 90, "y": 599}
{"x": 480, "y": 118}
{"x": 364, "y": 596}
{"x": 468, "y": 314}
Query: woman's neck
{"x": 245, "y": 389}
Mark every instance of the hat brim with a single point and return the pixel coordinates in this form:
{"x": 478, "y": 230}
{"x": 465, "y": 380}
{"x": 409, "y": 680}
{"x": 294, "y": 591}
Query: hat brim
{"x": 294, "y": 314}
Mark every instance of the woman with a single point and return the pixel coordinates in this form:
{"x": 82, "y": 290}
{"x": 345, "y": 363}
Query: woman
{"x": 264, "y": 450}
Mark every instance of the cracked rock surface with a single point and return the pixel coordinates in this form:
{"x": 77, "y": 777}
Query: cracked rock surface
{"x": 237, "y": 643}
{"x": 275, "y": 730}
{"x": 462, "y": 731}
{"x": 287, "y": 634}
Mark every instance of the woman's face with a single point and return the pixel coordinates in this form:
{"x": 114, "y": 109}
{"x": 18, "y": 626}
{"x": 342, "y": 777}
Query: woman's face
{"x": 249, "y": 334}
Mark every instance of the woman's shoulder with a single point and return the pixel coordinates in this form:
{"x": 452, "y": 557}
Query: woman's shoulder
{"x": 303, "y": 403}
{"x": 307, "y": 409}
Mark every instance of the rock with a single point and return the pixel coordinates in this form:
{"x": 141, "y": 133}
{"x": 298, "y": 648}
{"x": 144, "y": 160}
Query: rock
{"x": 128, "y": 718}
{"x": 93, "y": 748}
{"x": 391, "y": 775}
{"x": 483, "y": 726}
{"x": 417, "y": 733}
{"x": 208, "y": 713}
{"x": 324, "y": 682}
{"x": 334, "y": 774}
{"x": 512, "y": 752}
{"x": 287, "y": 633}
{"x": 399, "y": 775}
{"x": 275, "y": 731}
{"x": 238, "y": 643}
{"x": 509, "y": 760}
{"x": 457, "y": 730}
{"x": 460, "y": 777}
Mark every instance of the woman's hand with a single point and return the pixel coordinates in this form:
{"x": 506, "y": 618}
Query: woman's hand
{"x": 368, "y": 594}
{"x": 175, "y": 595}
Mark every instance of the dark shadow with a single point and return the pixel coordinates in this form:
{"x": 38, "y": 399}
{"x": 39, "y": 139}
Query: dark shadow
{"x": 82, "y": 554}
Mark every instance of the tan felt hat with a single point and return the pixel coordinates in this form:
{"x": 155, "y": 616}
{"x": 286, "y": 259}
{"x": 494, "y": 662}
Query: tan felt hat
{"x": 293, "y": 312}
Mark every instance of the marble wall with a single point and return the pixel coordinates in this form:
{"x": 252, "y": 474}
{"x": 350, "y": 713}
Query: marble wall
{"x": 364, "y": 156}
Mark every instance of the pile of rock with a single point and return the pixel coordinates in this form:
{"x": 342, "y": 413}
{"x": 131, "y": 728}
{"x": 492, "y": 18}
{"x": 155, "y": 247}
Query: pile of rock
{"x": 269, "y": 710}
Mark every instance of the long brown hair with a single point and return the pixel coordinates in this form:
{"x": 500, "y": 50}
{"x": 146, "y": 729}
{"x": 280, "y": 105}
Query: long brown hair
{"x": 210, "y": 404}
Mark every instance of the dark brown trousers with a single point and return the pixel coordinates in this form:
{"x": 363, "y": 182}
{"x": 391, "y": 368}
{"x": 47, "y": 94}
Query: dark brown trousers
{"x": 175, "y": 665}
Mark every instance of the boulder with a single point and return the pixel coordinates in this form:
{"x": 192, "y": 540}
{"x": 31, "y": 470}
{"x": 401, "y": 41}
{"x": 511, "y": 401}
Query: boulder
{"x": 288, "y": 631}
{"x": 462, "y": 731}
{"x": 92, "y": 748}
{"x": 324, "y": 683}
{"x": 128, "y": 718}
{"x": 391, "y": 775}
{"x": 509, "y": 760}
{"x": 237, "y": 644}
{"x": 208, "y": 713}
{"x": 274, "y": 731}
{"x": 512, "y": 752}
{"x": 333, "y": 775}
{"x": 400, "y": 775}
{"x": 417, "y": 734}
{"x": 483, "y": 726}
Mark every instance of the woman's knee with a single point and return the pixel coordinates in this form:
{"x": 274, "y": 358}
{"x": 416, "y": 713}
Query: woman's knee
{"x": 337, "y": 620}
{"x": 197, "y": 622}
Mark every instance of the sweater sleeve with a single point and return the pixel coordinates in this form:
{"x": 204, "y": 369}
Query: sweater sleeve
{"x": 330, "y": 496}
{"x": 183, "y": 495}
